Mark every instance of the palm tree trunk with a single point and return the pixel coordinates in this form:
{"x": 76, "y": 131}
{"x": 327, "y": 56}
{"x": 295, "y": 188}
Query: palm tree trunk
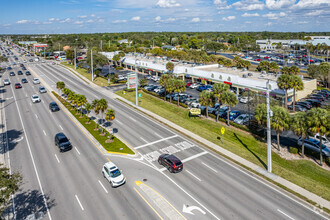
{"x": 286, "y": 99}
{"x": 321, "y": 158}
{"x": 294, "y": 100}
{"x": 178, "y": 100}
{"x": 303, "y": 147}
{"x": 170, "y": 98}
{"x": 207, "y": 111}
{"x": 278, "y": 140}
{"x": 228, "y": 116}
{"x": 165, "y": 95}
{"x": 218, "y": 115}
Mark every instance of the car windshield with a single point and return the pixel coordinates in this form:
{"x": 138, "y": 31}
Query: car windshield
{"x": 115, "y": 173}
{"x": 35, "y": 97}
{"x": 232, "y": 113}
{"x": 178, "y": 163}
{"x": 63, "y": 140}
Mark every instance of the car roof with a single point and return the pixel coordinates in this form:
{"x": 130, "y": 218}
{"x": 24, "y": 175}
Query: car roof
{"x": 110, "y": 165}
{"x": 172, "y": 158}
{"x": 60, "y": 135}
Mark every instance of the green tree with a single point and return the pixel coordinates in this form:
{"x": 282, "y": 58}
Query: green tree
{"x": 103, "y": 106}
{"x": 297, "y": 85}
{"x": 163, "y": 81}
{"x": 294, "y": 70}
{"x": 81, "y": 101}
{"x": 273, "y": 67}
{"x": 60, "y": 86}
{"x": 88, "y": 107}
{"x": 229, "y": 99}
{"x": 179, "y": 87}
{"x": 95, "y": 107}
{"x": 170, "y": 87}
{"x": 284, "y": 81}
{"x": 170, "y": 67}
{"x": 285, "y": 70}
{"x": 218, "y": 90}
{"x": 263, "y": 66}
{"x": 227, "y": 63}
{"x": 69, "y": 54}
{"x": 300, "y": 127}
{"x": 9, "y": 185}
{"x": 261, "y": 114}
{"x": 318, "y": 120}
{"x": 279, "y": 122}
{"x": 143, "y": 82}
{"x": 206, "y": 99}
{"x": 324, "y": 72}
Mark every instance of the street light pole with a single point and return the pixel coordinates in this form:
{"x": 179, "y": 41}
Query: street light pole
{"x": 136, "y": 86}
{"x": 269, "y": 147}
{"x": 92, "y": 64}
{"x": 75, "y": 59}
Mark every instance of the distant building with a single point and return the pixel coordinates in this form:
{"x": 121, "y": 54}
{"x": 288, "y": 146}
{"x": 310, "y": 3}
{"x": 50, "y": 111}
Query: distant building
{"x": 168, "y": 47}
{"x": 124, "y": 41}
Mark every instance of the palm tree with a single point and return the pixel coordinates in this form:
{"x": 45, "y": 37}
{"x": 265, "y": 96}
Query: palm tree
{"x": 95, "y": 107}
{"x": 285, "y": 70}
{"x": 297, "y": 85}
{"x": 294, "y": 70}
{"x": 229, "y": 99}
{"x": 81, "y": 101}
{"x": 88, "y": 107}
{"x": 179, "y": 87}
{"x": 170, "y": 67}
{"x": 218, "y": 89}
{"x": 284, "y": 81}
{"x": 110, "y": 115}
{"x": 206, "y": 99}
{"x": 163, "y": 82}
{"x": 261, "y": 114}
{"x": 318, "y": 120}
{"x": 103, "y": 105}
{"x": 170, "y": 87}
{"x": 279, "y": 121}
{"x": 60, "y": 86}
{"x": 300, "y": 127}
{"x": 273, "y": 67}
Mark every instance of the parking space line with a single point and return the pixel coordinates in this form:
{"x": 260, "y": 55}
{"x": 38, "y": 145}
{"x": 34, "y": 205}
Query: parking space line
{"x": 194, "y": 156}
{"x": 285, "y": 214}
{"x": 103, "y": 187}
{"x": 193, "y": 175}
{"x": 214, "y": 170}
{"x": 57, "y": 158}
{"x": 82, "y": 208}
{"x": 163, "y": 139}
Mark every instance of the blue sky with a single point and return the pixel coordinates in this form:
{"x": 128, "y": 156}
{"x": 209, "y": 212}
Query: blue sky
{"x": 90, "y": 16}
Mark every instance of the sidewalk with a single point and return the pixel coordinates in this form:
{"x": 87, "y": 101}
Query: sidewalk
{"x": 311, "y": 196}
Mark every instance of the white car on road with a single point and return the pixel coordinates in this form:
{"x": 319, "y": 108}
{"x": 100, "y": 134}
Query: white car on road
{"x": 113, "y": 175}
{"x": 35, "y": 98}
{"x": 36, "y": 81}
{"x": 6, "y": 82}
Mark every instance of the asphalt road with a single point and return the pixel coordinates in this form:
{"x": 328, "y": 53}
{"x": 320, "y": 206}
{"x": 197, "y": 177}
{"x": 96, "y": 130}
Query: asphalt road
{"x": 209, "y": 186}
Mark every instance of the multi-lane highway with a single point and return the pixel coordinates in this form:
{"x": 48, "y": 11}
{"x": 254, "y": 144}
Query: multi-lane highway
{"x": 70, "y": 185}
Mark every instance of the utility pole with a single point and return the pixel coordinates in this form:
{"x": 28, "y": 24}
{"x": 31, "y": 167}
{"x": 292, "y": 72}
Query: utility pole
{"x": 109, "y": 44}
{"x": 101, "y": 46}
{"x": 136, "y": 85}
{"x": 92, "y": 64}
{"x": 75, "y": 59}
{"x": 269, "y": 146}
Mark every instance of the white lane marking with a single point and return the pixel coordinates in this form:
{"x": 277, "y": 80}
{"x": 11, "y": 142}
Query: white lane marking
{"x": 60, "y": 127}
{"x": 285, "y": 214}
{"x": 82, "y": 208}
{"x": 145, "y": 145}
{"x": 214, "y": 170}
{"x": 36, "y": 116}
{"x": 193, "y": 175}
{"x": 119, "y": 122}
{"x": 77, "y": 150}
{"x": 42, "y": 101}
{"x": 132, "y": 118}
{"x": 103, "y": 187}
{"x": 31, "y": 155}
{"x": 158, "y": 135}
{"x": 44, "y": 132}
{"x": 30, "y": 103}
{"x": 57, "y": 158}
{"x": 26, "y": 94}
{"x": 143, "y": 139}
{"x": 194, "y": 156}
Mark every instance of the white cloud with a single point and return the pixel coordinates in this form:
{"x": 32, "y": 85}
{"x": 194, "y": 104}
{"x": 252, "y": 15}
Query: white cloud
{"x": 82, "y": 16}
{"x": 274, "y": 16}
{"x": 158, "y": 18}
{"x": 249, "y": 5}
{"x": 57, "y": 19}
{"x": 119, "y": 21}
{"x": 302, "y": 22}
{"x": 22, "y": 21}
{"x": 311, "y": 4}
{"x": 167, "y": 3}
{"x": 47, "y": 22}
{"x": 67, "y": 20}
{"x": 78, "y": 22}
{"x": 248, "y": 22}
{"x": 278, "y": 4}
{"x": 250, "y": 15}
{"x": 92, "y": 15}
{"x": 314, "y": 13}
{"x": 195, "y": 20}
{"x": 186, "y": 9}
{"x": 100, "y": 20}
{"x": 136, "y": 18}
{"x": 269, "y": 24}
{"x": 6, "y": 25}
{"x": 228, "y": 18}
{"x": 208, "y": 20}
{"x": 90, "y": 21}
{"x": 169, "y": 20}
{"x": 221, "y": 5}
{"x": 51, "y": 19}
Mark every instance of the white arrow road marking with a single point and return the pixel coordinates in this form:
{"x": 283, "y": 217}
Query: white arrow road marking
{"x": 103, "y": 187}
{"x": 119, "y": 122}
{"x": 188, "y": 209}
{"x": 285, "y": 214}
{"x": 82, "y": 208}
{"x": 10, "y": 98}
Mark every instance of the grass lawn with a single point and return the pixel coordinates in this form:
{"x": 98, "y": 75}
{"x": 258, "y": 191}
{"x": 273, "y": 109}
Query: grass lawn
{"x": 98, "y": 80}
{"x": 301, "y": 172}
{"x": 115, "y": 146}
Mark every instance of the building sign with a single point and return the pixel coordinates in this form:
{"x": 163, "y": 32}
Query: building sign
{"x": 27, "y": 42}
{"x": 40, "y": 45}
{"x": 131, "y": 81}
{"x": 229, "y": 83}
{"x": 195, "y": 111}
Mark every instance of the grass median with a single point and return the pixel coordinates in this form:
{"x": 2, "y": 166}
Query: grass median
{"x": 301, "y": 172}
{"x": 116, "y": 146}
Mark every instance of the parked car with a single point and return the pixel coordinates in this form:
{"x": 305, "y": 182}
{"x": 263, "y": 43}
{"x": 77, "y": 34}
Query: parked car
{"x": 306, "y": 105}
{"x": 53, "y": 107}
{"x": 325, "y": 139}
{"x": 233, "y": 115}
{"x": 242, "y": 119}
{"x": 35, "y": 98}
{"x": 314, "y": 145}
{"x": 299, "y": 108}
{"x": 42, "y": 89}
{"x": 222, "y": 112}
{"x": 171, "y": 162}
{"x": 195, "y": 104}
{"x": 18, "y": 86}
{"x": 111, "y": 172}
{"x": 314, "y": 102}
{"x": 158, "y": 88}
{"x": 193, "y": 86}
{"x": 62, "y": 142}
{"x": 188, "y": 84}
{"x": 245, "y": 99}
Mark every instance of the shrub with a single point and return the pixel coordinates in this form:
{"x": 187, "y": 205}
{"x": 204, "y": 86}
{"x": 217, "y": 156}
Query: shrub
{"x": 119, "y": 68}
{"x": 293, "y": 150}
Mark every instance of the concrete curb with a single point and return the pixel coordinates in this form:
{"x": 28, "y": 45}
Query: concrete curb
{"x": 311, "y": 196}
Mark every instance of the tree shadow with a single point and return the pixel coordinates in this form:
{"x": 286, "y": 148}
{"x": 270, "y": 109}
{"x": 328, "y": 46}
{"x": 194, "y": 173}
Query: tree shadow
{"x": 31, "y": 205}
{"x": 256, "y": 156}
{"x": 14, "y": 137}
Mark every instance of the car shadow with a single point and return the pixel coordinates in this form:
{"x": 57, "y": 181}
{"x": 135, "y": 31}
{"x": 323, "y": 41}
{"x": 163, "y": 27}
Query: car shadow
{"x": 256, "y": 156}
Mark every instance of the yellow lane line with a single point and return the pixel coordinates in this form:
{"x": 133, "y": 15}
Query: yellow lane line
{"x": 108, "y": 159}
{"x": 147, "y": 203}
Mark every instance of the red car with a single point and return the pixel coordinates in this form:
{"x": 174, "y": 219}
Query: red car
{"x": 188, "y": 84}
{"x": 266, "y": 57}
{"x": 18, "y": 86}
{"x": 257, "y": 59}
{"x": 171, "y": 162}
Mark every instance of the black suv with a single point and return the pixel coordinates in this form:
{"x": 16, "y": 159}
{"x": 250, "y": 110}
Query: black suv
{"x": 53, "y": 107}
{"x": 62, "y": 142}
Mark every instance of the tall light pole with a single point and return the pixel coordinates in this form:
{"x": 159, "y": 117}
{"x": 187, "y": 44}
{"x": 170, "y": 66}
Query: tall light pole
{"x": 269, "y": 146}
{"x": 75, "y": 59}
{"x": 92, "y": 64}
{"x": 136, "y": 86}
